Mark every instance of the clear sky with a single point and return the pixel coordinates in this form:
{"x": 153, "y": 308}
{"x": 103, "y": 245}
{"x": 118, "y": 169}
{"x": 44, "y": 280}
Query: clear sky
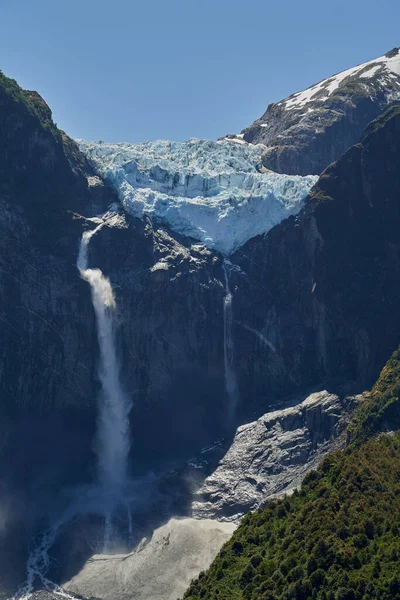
{"x": 133, "y": 70}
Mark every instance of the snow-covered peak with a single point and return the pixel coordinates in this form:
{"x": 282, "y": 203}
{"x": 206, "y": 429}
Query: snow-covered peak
{"x": 215, "y": 192}
{"x": 386, "y": 67}
{"x": 310, "y": 129}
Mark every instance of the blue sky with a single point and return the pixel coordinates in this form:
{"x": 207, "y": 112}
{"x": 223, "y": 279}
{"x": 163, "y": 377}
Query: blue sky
{"x": 133, "y": 71}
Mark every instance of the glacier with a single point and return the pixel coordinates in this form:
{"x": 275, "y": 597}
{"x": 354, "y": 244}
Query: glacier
{"x": 216, "y": 192}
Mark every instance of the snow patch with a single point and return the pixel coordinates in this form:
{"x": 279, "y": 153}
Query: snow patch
{"x": 371, "y": 72}
{"x": 214, "y": 192}
{"x": 384, "y": 66}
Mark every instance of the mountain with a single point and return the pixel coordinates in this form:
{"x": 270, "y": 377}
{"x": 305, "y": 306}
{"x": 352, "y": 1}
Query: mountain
{"x": 307, "y": 315}
{"x": 227, "y": 297}
{"x": 320, "y": 286}
{"x": 307, "y": 131}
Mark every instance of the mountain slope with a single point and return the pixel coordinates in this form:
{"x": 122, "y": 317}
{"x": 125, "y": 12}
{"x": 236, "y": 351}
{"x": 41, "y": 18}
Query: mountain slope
{"x": 321, "y": 287}
{"x": 307, "y": 131}
{"x": 46, "y": 322}
{"x": 337, "y": 538}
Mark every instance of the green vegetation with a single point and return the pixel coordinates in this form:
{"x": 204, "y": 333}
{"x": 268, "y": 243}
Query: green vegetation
{"x": 39, "y": 164}
{"x": 381, "y": 404}
{"x": 22, "y": 101}
{"x": 335, "y": 539}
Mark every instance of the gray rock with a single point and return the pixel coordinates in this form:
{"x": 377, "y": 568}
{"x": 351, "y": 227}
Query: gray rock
{"x": 159, "y": 568}
{"x": 270, "y": 456}
{"x": 304, "y": 137}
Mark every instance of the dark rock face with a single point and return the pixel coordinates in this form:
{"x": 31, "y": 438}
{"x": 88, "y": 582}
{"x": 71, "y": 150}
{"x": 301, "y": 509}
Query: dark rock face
{"x": 322, "y": 287}
{"x": 170, "y": 299}
{"x": 46, "y": 320}
{"x": 304, "y": 137}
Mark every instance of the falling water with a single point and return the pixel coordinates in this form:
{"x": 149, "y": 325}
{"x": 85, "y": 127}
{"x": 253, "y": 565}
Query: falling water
{"x": 112, "y": 443}
{"x": 231, "y": 385}
{"x": 39, "y": 562}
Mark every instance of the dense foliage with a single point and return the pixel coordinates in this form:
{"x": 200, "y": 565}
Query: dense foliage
{"x": 335, "y": 539}
{"x": 380, "y": 410}
{"x": 28, "y": 102}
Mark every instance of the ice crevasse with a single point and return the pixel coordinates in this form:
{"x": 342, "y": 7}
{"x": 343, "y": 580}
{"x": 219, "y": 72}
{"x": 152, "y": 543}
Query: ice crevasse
{"x": 215, "y": 192}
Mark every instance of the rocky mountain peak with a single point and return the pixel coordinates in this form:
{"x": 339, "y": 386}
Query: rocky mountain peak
{"x": 307, "y": 131}
{"x": 393, "y": 52}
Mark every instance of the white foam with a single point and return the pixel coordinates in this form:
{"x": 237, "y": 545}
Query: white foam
{"x": 112, "y": 440}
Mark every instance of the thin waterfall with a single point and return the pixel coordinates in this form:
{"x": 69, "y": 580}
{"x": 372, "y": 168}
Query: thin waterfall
{"x": 231, "y": 386}
{"x": 130, "y": 525}
{"x": 112, "y": 438}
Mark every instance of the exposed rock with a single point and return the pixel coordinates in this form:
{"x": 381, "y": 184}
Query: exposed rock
{"x": 321, "y": 287}
{"x": 311, "y": 129}
{"x": 161, "y": 567}
{"x": 272, "y": 455}
{"x": 46, "y": 321}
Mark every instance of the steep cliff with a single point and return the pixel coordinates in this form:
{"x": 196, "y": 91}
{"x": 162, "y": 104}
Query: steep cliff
{"x": 322, "y": 286}
{"x": 169, "y": 294}
{"x": 46, "y": 321}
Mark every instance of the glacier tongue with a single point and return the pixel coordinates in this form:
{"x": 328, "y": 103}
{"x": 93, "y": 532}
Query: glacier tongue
{"x": 215, "y": 192}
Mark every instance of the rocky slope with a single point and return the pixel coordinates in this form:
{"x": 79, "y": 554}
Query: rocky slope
{"x": 337, "y": 536}
{"x": 307, "y": 131}
{"x": 270, "y": 456}
{"x": 321, "y": 286}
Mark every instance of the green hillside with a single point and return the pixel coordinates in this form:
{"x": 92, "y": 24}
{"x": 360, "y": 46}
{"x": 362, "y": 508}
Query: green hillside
{"x": 335, "y": 539}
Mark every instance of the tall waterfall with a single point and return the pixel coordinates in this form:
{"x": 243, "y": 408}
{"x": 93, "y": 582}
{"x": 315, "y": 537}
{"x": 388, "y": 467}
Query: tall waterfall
{"x": 231, "y": 386}
{"x": 112, "y": 440}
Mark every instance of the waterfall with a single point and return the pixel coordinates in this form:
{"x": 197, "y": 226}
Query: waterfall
{"x": 231, "y": 386}
{"x": 112, "y": 438}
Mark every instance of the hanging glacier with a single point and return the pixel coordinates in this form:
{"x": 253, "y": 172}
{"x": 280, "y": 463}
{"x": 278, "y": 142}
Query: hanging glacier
{"x": 216, "y": 192}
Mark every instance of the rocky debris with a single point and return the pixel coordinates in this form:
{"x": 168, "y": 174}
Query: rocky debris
{"x": 160, "y": 567}
{"x": 58, "y": 595}
{"x": 173, "y": 256}
{"x": 271, "y": 456}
